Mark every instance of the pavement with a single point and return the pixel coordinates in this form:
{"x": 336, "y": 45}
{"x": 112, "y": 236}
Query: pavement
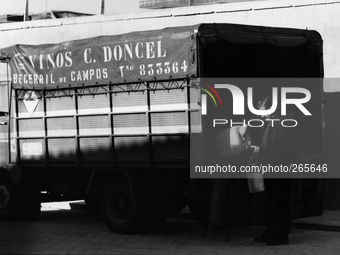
{"x": 328, "y": 221}
{"x": 70, "y": 229}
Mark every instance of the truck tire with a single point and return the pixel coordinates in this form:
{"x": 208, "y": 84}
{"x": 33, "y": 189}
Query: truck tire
{"x": 117, "y": 207}
{"x": 9, "y": 200}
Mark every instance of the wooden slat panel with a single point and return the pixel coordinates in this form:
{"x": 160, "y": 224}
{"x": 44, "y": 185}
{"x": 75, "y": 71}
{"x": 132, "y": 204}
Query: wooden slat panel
{"x": 61, "y": 126}
{"x": 94, "y": 125}
{"x": 129, "y": 102}
{"x": 95, "y": 148}
{"x": 173, "y": 99}
{"x": 61, "y": 148}
{"x": 60, "y": 106}
{"x": 93, "y": 104}
{"x": 169, "y": 122}
{"x": 170, "y": 147}
{"x": 130, "y": 124}
{"x": 31, "y": 127}
{"x": 131, "y": 148}
{"x": 195, "y": 122}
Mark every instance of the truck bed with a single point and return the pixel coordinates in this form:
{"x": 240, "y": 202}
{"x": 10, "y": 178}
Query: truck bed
{"x": 128, "y": 125}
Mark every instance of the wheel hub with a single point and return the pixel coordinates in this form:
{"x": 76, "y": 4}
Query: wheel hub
{"x": 122, "y": 206}
{"x": 119, "y": 206}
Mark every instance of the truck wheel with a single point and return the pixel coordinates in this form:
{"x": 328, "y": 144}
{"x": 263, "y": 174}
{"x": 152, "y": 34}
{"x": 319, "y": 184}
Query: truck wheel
{"x": 117, "y": 207}
{"x": 9, "y": 200}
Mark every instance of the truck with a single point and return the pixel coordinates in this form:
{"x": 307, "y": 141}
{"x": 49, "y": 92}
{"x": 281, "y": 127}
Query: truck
{"x": 103, "y": 108}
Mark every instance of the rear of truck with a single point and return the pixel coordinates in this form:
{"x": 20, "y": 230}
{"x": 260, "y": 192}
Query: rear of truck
{"x": 109, "y": 120}
{"x": 103, "y": 119}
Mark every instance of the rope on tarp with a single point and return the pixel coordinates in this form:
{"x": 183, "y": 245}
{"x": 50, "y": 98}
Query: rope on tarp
{"x": 128, "y": 87}
{"x": 103, "y": 89}
{"x": 172, "y": 84}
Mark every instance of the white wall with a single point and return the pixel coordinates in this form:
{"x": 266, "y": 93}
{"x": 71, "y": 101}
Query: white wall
{"x": 303, "y": 14}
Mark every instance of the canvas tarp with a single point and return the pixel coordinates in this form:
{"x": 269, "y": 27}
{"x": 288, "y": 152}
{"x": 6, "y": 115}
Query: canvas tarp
{"x": 133, "y": 57}
{"x": 170, "y": 53}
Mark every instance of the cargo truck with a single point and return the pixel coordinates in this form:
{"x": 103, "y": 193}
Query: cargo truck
{"x": 108, "y": 118}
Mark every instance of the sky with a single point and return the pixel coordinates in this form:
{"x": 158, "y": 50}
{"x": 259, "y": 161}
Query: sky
{"x": 84, "y": 6}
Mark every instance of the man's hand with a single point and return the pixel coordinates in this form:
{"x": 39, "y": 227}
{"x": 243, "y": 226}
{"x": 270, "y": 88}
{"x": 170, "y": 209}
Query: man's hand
{"x": 245, "y": 137}
{"x": 254, "y": 158}
{"x": 256, "y": 149}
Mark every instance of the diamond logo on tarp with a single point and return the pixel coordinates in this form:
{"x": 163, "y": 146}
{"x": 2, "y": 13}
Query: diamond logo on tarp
{"x": 31, "y": 101}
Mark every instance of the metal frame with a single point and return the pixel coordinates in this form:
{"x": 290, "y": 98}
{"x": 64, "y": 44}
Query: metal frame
{"x": 109, "y": 89}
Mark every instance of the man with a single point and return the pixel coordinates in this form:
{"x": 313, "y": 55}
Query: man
{"x": 277, "y": 148}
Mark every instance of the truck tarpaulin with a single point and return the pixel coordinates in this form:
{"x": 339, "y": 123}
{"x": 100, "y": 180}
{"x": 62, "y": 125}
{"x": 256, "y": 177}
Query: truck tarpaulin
{"x": 137, "y": 56}
{"x": 164, "y": 54}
